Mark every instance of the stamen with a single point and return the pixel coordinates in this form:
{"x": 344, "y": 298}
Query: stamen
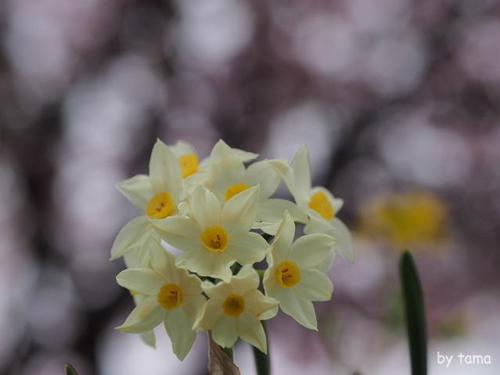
{"x": 287, "y": 274}
{"x": 320, "y": 203}
{"x": 235, "y": 189}
{"x": 170, "y": 296}
{"x": 215, "y": 239}
{"x": 234, "y": 305}
{"x": 189, "y": 164}
{"x": 160, "y": 206}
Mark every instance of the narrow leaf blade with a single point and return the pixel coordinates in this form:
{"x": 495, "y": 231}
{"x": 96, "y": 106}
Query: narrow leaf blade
{"x": 414, "y": 313}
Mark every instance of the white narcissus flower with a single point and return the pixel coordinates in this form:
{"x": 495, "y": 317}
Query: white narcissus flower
{"x": 235, "y": 309}
{"x": 188, "y": 159}
{"x": 169, "y": 295}
{"x": 233, "y": 178}
{"x": 194, "y": 172}
{"x": 293, "y": 277}
{"x": 157, "y": 195}
{"x": 228, "y": 177}
{"x": 214, "y": 236}
{"x": 318, "y": 206}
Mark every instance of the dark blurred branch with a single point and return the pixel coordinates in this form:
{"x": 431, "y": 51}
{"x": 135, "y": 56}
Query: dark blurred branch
{"x": 440, "y": 51}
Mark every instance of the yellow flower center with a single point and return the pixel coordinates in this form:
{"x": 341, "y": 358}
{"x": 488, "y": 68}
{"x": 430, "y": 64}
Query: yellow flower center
{"x": 287, "y": 274}
{"x": 189, "y": 164}
{"x": 160, "y": 206}
{"x": 170, "y": 296}
{"x": 320, "y": 203}
{"x": 234, "y": 305}
{"x": 235, "y": 189}
{"x": 215, "y": 239}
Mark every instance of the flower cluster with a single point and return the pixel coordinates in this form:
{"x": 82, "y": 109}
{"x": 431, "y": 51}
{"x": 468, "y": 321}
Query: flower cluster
{"x": 218, "y": 213}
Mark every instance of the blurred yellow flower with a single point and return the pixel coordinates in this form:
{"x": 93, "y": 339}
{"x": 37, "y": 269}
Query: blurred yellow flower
{"x": 414, "y": 219}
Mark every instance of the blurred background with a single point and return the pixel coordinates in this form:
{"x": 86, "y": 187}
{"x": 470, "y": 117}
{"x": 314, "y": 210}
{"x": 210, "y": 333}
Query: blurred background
{"x": 398, "y": 101}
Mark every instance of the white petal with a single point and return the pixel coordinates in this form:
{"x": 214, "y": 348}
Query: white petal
{"x": 206, "y": 264}
{"x": 140, "y": 257}
{"x": 269, "y": 280}
{"x": 163, "y": 263}
{"x": 137, "y": 190}
{"x": 272, "y": 210}
{"x": 343, "y": 240}
{"x": 312, "y": 249}
{"x": 302, "y": 175}
{"x": 217, "y": 291}
{"x": 251, "y": 331}
{"x": 297, "y": 307}
{"x": 262, "y": 173}
{"x": 164, "y": 171}
{"x": 204, "y": 207}
{"x": 314, "y": 286}
{"x": 244, "y": 156}
{"x": 317, "y": 225}
{"x": 247, "y": 279}
{"x": 145, "y": 317}
{"x": 149, "y": 339}
{"x": 181, "y": 226}
{"x": 336, "y": 203}
{"x": 130, "y": 236}
{"x": 144, "y": 253}
{"x": 140, "y": 280}
{"x": 194, "y": 306}
{"x": 132, "y": 260}
{"x": 190, "y": 284}
{"x": 179, "y": 325}
{"x": 281, "y": 245}
{"x": 223, "y": 173}
{"x": 209, "y": 316}
{"x": 261, "y": 306}
{"x": 180, "y": 232}
{"x": 241, "y": 209}
{"x": 222, "y": 150}
{"x": 225, "y": 332}
{"x": 182, "y": 148}
{"x": 267, "y": 227}
{"x": 287, "y": 174}
{"x": 247, "y": 247}
{"x": 336, "y": 229}
{"x": 327, "y": 264}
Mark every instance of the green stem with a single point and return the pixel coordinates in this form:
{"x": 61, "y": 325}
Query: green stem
{"x": 229, "y": 352}
{"x": 69, "y": 370}
{"x": 262, "y": 361}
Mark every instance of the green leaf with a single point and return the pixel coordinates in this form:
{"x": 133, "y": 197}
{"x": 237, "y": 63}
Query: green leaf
{"x": 414, "y": 313}
{"x": 69, "y": 370}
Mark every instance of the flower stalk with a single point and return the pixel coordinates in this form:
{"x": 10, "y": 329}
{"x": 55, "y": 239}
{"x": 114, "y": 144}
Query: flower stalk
{"x": 262, "y": 361}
